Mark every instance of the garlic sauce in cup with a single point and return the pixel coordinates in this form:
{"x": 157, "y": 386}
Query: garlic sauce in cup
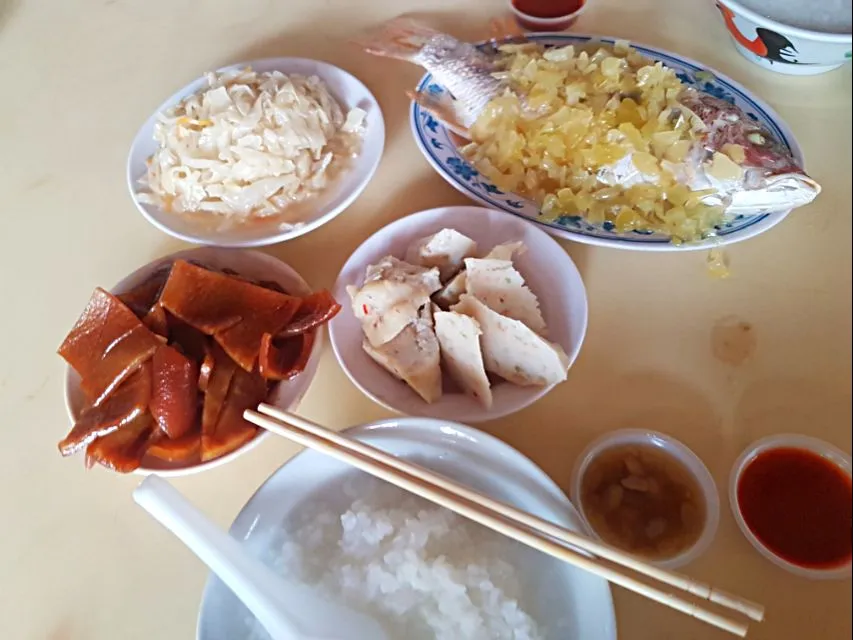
{"x": 647, "y": 494}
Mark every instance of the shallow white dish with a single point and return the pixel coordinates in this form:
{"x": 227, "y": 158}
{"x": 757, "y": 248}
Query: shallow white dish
{"x": 546, "y": 267}
{"x": 677, "y": 450}
{"x": 286, "y": 394}
{"x": 786, "y": 441}
{"x": 347, "y": 89}
{"x": 462, "y": 453}
{"x": 439, "y": 147}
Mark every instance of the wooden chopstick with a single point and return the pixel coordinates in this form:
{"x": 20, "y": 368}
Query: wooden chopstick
{"x": 694, "y": 587}
{"x": 366, "y": 460}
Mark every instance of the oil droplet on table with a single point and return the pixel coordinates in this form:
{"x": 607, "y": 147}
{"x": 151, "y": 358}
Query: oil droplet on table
{"x": 732, "y": 340}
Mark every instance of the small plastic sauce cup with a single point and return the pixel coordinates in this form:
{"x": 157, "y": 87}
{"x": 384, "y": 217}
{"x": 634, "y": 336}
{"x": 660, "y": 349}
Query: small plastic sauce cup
{"x": 679, "y": 452}
{"x": 830, "y": 455}
{"x": 534, "y": 23}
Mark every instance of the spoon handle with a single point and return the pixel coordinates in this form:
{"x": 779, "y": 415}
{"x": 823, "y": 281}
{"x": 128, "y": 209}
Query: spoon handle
{"x": 248, "y": 578}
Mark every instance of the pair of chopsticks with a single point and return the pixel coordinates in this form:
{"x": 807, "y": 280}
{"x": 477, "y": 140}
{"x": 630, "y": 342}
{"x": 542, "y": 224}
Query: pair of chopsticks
{"x": 609, "y": 563}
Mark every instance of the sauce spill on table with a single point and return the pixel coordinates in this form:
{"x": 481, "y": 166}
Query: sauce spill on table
{"x": 732, "y": 340}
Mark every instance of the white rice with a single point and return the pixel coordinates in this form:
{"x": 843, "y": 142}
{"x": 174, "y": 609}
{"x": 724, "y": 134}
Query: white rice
{"x": 829, "y": 16}
{"x": 420, "y": 570}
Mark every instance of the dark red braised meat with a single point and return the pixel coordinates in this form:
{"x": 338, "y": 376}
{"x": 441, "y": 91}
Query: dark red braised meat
{"x": 231, "y": 430}
{"x": 285, "y": 358}
{"x": 217, "y": 388}
{"x": 107, "y": 344}
{"x": 316, "y": 309}
{"x": 174, "y": 400}
{"x": 169, "y": 367}
{"x": 123, "y": 449}
{"x": 129, "y": 401}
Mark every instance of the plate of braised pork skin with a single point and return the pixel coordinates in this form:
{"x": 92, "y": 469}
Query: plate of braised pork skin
{"x": 162, "y": 366}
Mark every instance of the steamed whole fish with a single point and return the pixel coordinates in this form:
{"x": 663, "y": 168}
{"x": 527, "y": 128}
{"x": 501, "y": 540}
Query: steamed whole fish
{"x": 725, "y": 159}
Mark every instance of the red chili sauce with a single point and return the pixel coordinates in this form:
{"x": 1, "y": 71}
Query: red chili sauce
{"x": 798, "y": 504}
{"x": 548, "y": 8}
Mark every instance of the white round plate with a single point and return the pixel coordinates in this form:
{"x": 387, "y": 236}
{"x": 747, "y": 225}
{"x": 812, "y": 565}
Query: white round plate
{"x": 545, "y": 266}
{"x": 439, "y": 147}
{"x": 580, "y": 608}
{"x": 201, "y": 229}
{"x": 285, "y": 394}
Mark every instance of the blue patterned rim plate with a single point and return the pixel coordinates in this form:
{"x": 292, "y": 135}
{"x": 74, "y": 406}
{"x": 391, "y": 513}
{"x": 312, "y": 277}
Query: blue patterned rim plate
{"x": 436, "y": 143}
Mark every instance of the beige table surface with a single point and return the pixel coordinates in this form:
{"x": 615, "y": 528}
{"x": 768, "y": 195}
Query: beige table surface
{"x": 78, "y": 560}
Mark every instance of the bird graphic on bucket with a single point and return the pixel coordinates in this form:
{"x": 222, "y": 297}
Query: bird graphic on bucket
{"x": 768, "y": 44}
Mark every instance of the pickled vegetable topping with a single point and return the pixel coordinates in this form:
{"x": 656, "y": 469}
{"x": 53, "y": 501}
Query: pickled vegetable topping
{"x": 603, "y": 135}
{"x": 169, "y": 367}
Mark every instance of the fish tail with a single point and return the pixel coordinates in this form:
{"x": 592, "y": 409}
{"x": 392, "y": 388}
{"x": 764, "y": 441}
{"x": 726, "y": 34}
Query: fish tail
{"x": 443, "y": 110}
{"x": 401, "y": 38}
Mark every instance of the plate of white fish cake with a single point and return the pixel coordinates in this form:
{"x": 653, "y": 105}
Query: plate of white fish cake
{"x": 600, "y": 141}
{"x": 459, "y": 313}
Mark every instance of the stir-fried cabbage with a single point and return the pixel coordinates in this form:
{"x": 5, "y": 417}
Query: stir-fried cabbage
{"x": 598, "y": 134}
{"x": 250, "y": 144}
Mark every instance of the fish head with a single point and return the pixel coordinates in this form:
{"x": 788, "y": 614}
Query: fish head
{"x": 769, "y": 192}
{"x": 773, "y": 179}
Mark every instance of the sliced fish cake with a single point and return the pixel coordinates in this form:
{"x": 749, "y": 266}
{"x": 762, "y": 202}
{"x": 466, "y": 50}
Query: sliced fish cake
{"x": 498, "y": 285}
{"x": 459, "y": 338}
{"x": 391, "y": 296}
{"x": 506, "y": 251}
{"x": 445, "y": 250}
{"x": 413, "y": 356}
{"x": 513, "y": 350}
{"x": 456, "y": 286}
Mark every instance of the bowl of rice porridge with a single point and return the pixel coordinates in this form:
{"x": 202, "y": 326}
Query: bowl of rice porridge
{"x": 790, "y": 36}
{"x": 420, "y": 570}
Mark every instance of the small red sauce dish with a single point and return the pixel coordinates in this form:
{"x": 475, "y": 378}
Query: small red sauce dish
{"x": 792, "y": 498}
{"x": 547, "y": 15}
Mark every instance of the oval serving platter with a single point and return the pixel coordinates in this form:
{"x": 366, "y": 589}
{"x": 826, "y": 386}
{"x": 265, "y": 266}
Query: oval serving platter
{"x": 437, "y": 144}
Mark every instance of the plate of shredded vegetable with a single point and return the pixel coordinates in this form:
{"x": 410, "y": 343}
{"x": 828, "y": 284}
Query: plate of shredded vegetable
{"x": 605, "y": 142}
{"x": 256, "y": 153}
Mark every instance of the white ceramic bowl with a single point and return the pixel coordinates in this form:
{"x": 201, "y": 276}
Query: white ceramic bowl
{"x": 786, "y": 441}
{"x": 546, "y": 267}
{"x": 577, "y": 605}
{"x": 286, "y": 394}
{"x": 678, "y": 451}
{"x": 348, "y": 90}
{"x": 780, "y": 47}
